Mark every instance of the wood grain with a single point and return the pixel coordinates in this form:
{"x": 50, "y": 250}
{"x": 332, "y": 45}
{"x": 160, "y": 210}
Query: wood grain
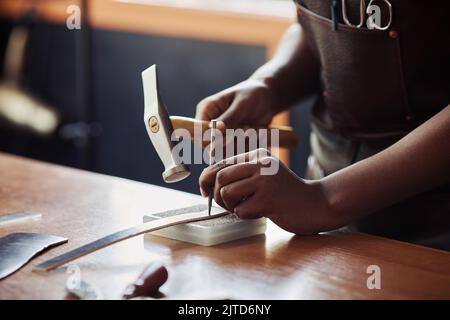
{"x": 83, "y": 206}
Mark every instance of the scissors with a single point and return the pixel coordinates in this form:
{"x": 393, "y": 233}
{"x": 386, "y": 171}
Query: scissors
{"x": 363, "y": 11}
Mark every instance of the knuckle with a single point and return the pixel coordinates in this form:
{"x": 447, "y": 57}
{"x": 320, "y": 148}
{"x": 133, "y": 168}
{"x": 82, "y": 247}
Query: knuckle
{"x": 207, "y": 100}
{"x": 206, "y": 103}
{"x": 259, "y": 153}
{"x": 202, "y": 181}
{"x": 222, "y": 163}
{"x": 202, "y": 104}
{"x": 225, "y": 193}
{"x": 252, "y": 156}
{"x": 267, "y": 160}
{"x": 262, "y": 151}
{"x": 218, "y": 198}
{"x": 221, "y": 178}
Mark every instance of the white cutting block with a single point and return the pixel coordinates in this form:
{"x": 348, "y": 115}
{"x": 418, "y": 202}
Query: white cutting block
{"x": 209, "y": 232}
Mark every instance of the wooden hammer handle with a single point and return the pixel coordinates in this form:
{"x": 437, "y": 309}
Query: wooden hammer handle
{"x": 288, "y": 137}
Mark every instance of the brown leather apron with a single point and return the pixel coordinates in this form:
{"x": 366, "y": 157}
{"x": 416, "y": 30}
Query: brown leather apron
{"x": 377, "y": 87}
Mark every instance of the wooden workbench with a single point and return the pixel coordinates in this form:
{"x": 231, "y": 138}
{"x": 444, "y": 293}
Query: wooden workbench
{"x": 83, "y": 206}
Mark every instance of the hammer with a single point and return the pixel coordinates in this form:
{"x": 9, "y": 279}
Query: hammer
{"x": 160, "y": 127}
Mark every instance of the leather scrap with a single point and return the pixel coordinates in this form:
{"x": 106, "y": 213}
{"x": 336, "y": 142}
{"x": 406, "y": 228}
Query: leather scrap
{"x": 17, "y": 249}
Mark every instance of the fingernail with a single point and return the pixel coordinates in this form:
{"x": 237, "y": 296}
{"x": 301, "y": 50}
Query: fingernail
{"x": 221, "y": 124}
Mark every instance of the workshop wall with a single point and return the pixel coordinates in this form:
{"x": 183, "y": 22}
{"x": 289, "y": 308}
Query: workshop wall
{"x": 49, "y": 74}
{"x": 102, "y": 129}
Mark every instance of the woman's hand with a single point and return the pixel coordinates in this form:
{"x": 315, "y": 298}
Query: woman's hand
{"x": 257, "y": 184}
{"x": 249, "y": 103}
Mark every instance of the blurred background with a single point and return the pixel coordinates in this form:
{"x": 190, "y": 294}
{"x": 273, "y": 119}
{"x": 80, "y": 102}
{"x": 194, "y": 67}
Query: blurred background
{"x": 71, "y": 90}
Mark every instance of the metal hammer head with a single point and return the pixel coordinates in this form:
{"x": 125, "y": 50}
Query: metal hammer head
{"x": 159, "y": 128}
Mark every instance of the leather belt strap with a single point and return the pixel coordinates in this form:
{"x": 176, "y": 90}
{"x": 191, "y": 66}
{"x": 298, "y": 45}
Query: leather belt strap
{"x": 191, "y": 214}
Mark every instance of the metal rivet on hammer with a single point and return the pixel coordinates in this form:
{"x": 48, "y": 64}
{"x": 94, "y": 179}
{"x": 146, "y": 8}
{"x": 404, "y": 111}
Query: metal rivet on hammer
{"x": 154, "y": 125}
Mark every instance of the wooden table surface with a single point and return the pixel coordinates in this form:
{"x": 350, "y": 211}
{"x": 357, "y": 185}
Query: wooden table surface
{"x": 83, "y": 206}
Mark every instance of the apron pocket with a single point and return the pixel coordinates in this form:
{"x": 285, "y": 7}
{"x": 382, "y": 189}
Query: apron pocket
{"x": 361, "y": 74}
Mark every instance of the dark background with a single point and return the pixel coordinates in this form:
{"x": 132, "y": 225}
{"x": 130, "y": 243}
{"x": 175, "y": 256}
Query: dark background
{"x": 94, "y": 80}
